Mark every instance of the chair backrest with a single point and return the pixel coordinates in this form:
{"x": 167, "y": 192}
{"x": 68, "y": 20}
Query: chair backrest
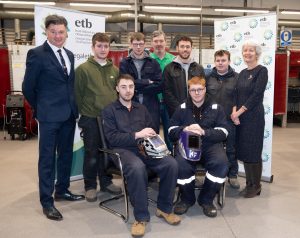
{"x": 109, "y": 166}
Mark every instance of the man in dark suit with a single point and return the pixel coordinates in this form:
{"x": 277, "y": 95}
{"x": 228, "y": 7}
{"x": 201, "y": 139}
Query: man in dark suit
{"x": 49, "y": 88}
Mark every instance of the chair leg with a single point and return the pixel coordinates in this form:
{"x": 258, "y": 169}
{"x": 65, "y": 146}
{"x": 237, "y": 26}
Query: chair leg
{"x": 176, "y": 195}
{"x": 221, "y": 196}
{"x": 114, "y": 212}
{"x": 102, "y": 205}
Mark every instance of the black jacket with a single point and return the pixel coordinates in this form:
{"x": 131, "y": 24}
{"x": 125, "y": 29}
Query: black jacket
{"x": 222, "y": 89}
{"x": 213, "y": 121}
{"x": 175, "y": 86}
{"x": 150, "y": 71}
{"x": 120, "y": 124}
{"x": 46, "y": 87}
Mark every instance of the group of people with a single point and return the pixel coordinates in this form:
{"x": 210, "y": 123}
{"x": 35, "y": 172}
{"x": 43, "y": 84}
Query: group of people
{"x": 223, "y": 110}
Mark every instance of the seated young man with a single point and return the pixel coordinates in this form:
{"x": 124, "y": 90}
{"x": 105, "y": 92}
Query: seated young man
{"x": 198, "y": 116}
{"x": 125, "y": 123}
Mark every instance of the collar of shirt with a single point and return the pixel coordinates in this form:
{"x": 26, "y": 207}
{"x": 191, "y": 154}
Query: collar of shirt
{"x": 55, "y": 48}
{"x": 64, "y": 54}
{"x": 119, "y": 105}
{"x": 167, "y": 56}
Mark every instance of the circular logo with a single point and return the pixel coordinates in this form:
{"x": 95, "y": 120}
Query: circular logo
{"x": 268, "y": 34}
{"x": 267, "y": 109}
{"x": 267, "y": 60}
{"x": 253, "y": 23}
{"x": 265, "y": 157}
{"x": 237, "y": 37}
{"x": 224, "y": 26}
{"x": 269, "y": 85}
{"x": 237, "y": 60}
{"x": 266, "y": 134}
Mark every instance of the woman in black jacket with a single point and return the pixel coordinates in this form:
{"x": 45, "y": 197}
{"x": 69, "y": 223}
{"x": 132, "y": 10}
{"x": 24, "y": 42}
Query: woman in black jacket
{"x": 248, "y": 114}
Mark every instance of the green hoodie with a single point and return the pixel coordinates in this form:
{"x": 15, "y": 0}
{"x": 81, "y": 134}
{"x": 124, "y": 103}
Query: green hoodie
{"x": 95, "y": 86}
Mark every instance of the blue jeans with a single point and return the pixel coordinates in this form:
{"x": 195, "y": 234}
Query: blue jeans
{"x": 93, "y": 165}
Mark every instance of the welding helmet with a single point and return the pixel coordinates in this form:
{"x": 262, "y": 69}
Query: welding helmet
{"x": 154, "y": 147}
{"x": 189, "y": 146}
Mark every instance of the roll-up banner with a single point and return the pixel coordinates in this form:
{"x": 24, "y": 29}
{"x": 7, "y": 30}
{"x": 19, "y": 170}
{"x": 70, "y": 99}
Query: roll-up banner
{"x": 81, "y": 27}
{"x": 230, "y": 34}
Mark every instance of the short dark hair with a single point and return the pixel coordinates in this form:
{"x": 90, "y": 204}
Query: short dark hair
{"x": 55, "y": 20}
{"x": 125, "y": 76}
{"x": 184, "y": 38}
{"x": 139, "y": 36}
{"x": 158, "y": 33}
{"x": 222, "y": 53}
{"x": 100, "y": 37}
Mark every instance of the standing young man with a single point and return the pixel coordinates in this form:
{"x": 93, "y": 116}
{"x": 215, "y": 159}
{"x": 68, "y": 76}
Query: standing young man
{"x": 94, "y": 89}
{"x": 221, "y": 86}
{"x": 163, "y": 58}
{"x": 125, "y": 122}
{"x": 177, "y": 74}
{"x": 48, "y": 86}
{"x": 147, "y": 76}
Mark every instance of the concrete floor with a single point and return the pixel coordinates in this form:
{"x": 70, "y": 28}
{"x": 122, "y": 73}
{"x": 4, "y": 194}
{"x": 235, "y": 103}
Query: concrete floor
{"x": 273, "y": 214}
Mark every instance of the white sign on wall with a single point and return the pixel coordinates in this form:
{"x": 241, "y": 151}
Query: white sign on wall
{"x": 285, "y": 38}
{"x": 230, "y": 34}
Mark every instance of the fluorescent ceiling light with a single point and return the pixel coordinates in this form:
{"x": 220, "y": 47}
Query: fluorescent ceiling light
{"x": 174, "y": 17}
{"x": 290, "y": 12}
{"x": 18, "y": 12}
{"x": 27, "y": 3}
{"x": 241, "y": 10}
{"x": 174, "y": 8}
{"x": 100, "y": 5}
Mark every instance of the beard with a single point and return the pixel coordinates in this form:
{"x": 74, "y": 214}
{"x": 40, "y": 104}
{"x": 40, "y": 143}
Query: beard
{"x": 184, "y": 55}
{"x": 126, "y": 97}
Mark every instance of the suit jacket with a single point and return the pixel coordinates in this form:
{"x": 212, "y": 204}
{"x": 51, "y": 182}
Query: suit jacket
{"x": 47, "y": 89}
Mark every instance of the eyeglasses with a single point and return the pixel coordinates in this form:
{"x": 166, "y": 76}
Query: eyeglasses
{"x": 138, "y": 44}
{"x": 198, "y": 90}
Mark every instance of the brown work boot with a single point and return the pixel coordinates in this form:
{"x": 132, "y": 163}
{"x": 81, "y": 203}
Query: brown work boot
{"x": 234, "y": 183}
{"x": 170, "y": 218}
{"x": 138, "y": 228}
{"x": 91, "y": 195}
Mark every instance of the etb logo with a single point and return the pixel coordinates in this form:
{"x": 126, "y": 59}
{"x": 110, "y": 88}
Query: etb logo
{"x": 224, "y": 26}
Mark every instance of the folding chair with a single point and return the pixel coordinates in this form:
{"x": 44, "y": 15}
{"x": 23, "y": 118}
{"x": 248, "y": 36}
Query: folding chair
{"x": 110, "y": 168}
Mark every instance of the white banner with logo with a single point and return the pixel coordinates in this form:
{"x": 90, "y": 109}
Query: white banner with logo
{"x": 81, "y": 27}
{"x": 230, "y": 34}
